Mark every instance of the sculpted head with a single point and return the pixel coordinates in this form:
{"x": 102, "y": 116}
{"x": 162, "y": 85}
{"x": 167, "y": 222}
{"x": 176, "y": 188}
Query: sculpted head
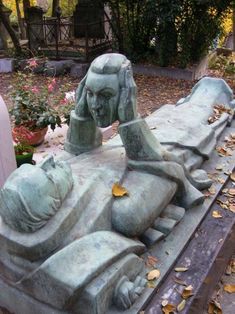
{"x": 33, "y": 194}
{"x": 108, "y": 83}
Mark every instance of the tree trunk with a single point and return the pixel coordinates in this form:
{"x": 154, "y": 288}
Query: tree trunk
{"x": 9, "y": 29}
{"x": 55, "y": 4}
{"x": 20, "y": 21}
{"x": 26, "y": 5}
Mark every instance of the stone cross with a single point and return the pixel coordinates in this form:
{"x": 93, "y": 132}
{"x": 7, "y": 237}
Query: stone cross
{"x": 7, "y": 155}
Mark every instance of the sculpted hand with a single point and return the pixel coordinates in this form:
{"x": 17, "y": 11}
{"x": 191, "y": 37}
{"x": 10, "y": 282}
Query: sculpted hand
{"x": 127, "y": 104}
{"x": 81, "y": 107}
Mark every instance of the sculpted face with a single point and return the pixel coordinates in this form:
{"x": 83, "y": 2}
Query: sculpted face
{"x": 103, "y": 97}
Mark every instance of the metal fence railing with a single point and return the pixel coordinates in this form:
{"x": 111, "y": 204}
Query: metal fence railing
{"x": 62, "y": 37}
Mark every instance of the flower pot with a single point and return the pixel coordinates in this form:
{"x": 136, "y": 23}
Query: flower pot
{"x": 36, "y": 137}
{"x": 26, "y": 158}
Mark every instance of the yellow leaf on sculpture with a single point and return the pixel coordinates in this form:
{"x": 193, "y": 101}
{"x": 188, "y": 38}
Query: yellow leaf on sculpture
{"x": 153, "y": 274}
{"x": 229, "y": 288}
{"x": 216, "y": 214}
{"x": 181, "y": 306}
{"x": 181, "y": 269}
{"x": 118, "y": 190}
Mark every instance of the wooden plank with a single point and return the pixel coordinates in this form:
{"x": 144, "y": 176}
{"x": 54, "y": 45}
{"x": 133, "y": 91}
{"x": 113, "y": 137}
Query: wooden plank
{"x": 206, "y": 257}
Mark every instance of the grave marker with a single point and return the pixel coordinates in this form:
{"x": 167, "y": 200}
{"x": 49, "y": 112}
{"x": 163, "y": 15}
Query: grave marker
{"x": 7, "y": 155}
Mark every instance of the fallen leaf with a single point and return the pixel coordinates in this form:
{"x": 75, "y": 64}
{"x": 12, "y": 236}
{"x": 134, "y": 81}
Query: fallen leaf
{"x": 181, "y": 306}
{"x": 164, "y": 302}
{"x": 180, "y": 282}
{"x": 232, "y": 208}
{"x": 151, "y": 284}
{"x": 118, "y": 190}
{"x": 168, "y": 308}
{"x": 219, "y": 167}
{"x": 151, "y": 261}
{"x": 231, "y": 192}
{"x": 153, "y": 274}
{"x": 232, "y": 176}
{"x": 229, "y": 288}
{"x": 232, "y": 263}
{"x": 187, "y": 292}
{"x": 221, "y": 180}
{"x": 216, "y": 214}
{"x": 181, "y": 269}
{"x": 212, "y": 190}
{"x": 214, "y": 308}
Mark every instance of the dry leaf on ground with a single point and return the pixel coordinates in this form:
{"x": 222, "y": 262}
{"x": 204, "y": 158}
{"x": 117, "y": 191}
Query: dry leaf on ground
{"x": 214, "y": 308}
{"x": 216, "y": 214}
{"x": 229, "y": 288}
{"x": 181, "y": 269}
{"x": 232, "y": 176}
{"x": 232, "y": 208}
{"x": 151, "y": 261}
{"x": 231, "y": 192}
{"x": 168, "y": 308}
{"x": 180, "y": 282}
{"x": 118, "y": 190}
{"x": 181, "y": 306}
{"x": 187, "y": 292}
{"x": 153, "y": 274}
{"x": 212, "y": 190}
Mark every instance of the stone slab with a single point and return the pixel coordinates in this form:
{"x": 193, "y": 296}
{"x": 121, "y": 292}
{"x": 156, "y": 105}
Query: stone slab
{"x": 194, "y": 73}
{"x": 6, "y": 65}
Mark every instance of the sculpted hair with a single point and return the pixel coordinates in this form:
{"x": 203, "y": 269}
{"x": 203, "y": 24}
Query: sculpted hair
{"x": 111, "y": 63}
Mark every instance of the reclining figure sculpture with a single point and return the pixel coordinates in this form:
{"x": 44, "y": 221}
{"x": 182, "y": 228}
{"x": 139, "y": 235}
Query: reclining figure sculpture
{"x": 65, "y": 240}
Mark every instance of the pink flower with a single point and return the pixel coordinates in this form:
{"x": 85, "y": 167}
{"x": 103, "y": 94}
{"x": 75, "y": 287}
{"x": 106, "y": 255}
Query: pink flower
{"x": 50, "y": 87}
{"x": 32, "y": 63}
{"x": 53, "y": 81}
{"x": 64, "y": 101}
{"x": 35, "y": 90}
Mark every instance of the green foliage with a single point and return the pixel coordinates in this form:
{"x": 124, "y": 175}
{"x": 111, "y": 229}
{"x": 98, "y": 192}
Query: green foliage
{"x": 23, "y": 149}
{"x": 182, "y": 30}
{"x": 32, "y": 106}
{"x": 225, "y": 64}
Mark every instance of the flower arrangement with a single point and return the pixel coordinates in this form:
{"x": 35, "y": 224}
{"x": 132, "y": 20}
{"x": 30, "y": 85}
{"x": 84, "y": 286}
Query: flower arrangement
{"x": 33, "y": 106}
{"x": 23, "y": 151}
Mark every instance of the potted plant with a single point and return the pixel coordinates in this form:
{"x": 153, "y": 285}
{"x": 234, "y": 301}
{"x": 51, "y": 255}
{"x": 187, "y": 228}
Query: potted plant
{"x": 33, "y": 106}
{"x": 23, "y": 151}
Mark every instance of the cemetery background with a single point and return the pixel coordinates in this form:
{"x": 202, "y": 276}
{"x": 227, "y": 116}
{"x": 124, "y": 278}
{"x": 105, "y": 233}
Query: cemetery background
{"x": 153, "y": 92}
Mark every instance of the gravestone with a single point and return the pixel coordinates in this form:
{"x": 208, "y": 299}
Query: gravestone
{"x": 7, "y": 155}
{"x": 73, "y": 241}
{"x": 88, "y": 19}
{"x": 4, "y": 36}
{"x": 35, "y": 27}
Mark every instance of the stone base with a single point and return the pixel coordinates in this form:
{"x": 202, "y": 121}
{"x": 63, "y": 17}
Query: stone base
{"x": 194, "y": 73}
{"x": 6, "y": 65}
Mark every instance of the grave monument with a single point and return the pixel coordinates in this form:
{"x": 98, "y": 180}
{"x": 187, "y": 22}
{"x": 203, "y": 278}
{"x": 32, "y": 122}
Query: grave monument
{"x": 67, "y": 244}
